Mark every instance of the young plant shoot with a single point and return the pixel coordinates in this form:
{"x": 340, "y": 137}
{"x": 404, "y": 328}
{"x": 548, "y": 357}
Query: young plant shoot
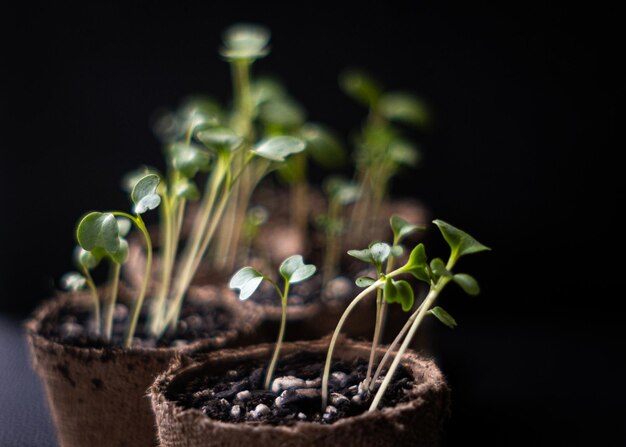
{"x": 293, "y": 270}
{"x": 436, "y": 274}
{"x": 100, "y": 236}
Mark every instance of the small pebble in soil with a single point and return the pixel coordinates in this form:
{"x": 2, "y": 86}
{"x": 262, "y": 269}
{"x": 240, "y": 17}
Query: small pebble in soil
{"x": 260, "y": 410}
{"x": 180, "y": 343}
{"x": 71, "y": 329}
{"x": 301, "y": 416}
{"x": 330, "y": 413}
{"x": 235, "y": 412}
{"x": 338, "y": 399}
{"x": 243, "y": 395}
{"x": 340, "y": 377}
{"x": 232, "y": 373}
{"x": 283, "y": 383}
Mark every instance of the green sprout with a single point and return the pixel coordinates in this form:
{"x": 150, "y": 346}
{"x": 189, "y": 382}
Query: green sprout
{"x": 100, "y": 236}
{"x": 293, "y": 270}
{"x": 436, "y": 274}
{"x": 382, "y": 149}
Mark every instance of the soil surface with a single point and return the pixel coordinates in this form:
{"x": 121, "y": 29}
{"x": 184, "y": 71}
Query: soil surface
{"x": 237, "y": 395}
{"x": 74, "y": 325}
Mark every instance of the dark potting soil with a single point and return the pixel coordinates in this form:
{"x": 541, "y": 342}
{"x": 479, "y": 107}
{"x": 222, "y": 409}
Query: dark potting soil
{"x": 237, "y": 395}
{"x": 74, "y": 325}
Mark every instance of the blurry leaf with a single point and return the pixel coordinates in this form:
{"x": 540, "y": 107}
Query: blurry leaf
{"x": 124, "y": 225}
{"x": 397, "y": 250}
{"x": 460, "y": 242}
{"x": 267, "y": 89}
{"x": 364, "y": 255}
{"x": 439, "y": 268}
{"x": 98, "y": 230}
{"x": 380, "y": 252}
{"x": 399, "y": 292}
{"x": 361, "y": 87}
{"x": 247, "y": 280}
{"x": 219, "y": 138}
{"x": 121, "y": 254}
{"x": 403, "y": 153}
{"x": 323, "y": 146}
{"x": 73, "y": 281}
{"x": 278, "y": 148}
{"x": 245, "y": 41}
{"x": 189, "y": 158}
{"x": 341, "y": 191}
{"x": 443, "y": 316}
{"x": 284, "y": 113}
{"x": 131, "y": 178}
{"x": 89, "y": 259}
{"x": 294, "y": 270}
{"x": 417, "y": 264}
{"x": 404, "y": 107}
{"x": 144, "y": 194}
{"x": 467, "y": 283}
{"x": 364, "y": 281}
{"x": 401, "y": 228}
{"x": 198, "y": 111}
{"x": 186, "y": 189}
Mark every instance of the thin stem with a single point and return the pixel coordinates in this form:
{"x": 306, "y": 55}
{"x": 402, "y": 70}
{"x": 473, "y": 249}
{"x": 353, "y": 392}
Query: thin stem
{"x": 342, "y": 320}
{"x": 426, "y": 305}
{"x": 96, "y": 299}
{"x": 393, "y": 345}
{"x": 383, "y": 311}
{"x": 167, "y": 264}
{"x": 144, "y": 285}
{"x": 281, "y": 335}
{"x": 379, "y": 298}
{"x": 114, "y": 280}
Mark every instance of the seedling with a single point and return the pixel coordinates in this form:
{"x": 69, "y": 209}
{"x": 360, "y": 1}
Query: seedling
{"x": 100, "y": 236}
{"x": 436, "y": 274}
{"x": 293, "y": 270}
{"x": 381, "y": 147}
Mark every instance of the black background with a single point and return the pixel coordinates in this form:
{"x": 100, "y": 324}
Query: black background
{"x": 524, "y": 110}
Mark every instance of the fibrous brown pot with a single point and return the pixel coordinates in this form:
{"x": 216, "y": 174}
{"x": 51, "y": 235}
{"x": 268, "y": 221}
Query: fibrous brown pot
{"x": 97, "y": 396}
{"x": 417, "y": 422}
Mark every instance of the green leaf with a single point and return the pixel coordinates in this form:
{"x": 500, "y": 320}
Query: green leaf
{"x": 401, "y": 228}
{"x": 73, "y": 281}
{"x": 323, "y": 146}
{"x": 144, "y": 194}
{"x": 341, "y": 191}
{"x": 245, "y": 41}
{"x": 131, "y": 178}
{"x": 380, "y": 252}
{"x": 186, "y": 189}
{"x": 189, "y": 158}
{"x": 294, "y": 270}
{"x": 98, "y": 230}
{"x": 467, "y": 283}
{"x": 89, "y": 259}
{"x": 267, "y": 89}
{"x": 198, "y": 112}
{"x": 219, "y": 138}
{"x": 438, "y": 268}
{"x": 364, "y": 255}
{"x": 399, "y": 292}
{"x": 121, "y": 254}
{"x": 278, "y": 148}
{"x": 247, "y": 280}
{"x": 417, "y": 264}
{"x": 285, "y": 113}
{"x": 403, "y": 152}
{"x": 443, "y": 316}
{"x": 364, "y": 281}
{"x": 124, "y": 225}
{"x": 397, "y": 250}
{"x": 459, "y": 241}
{"x": 403, "y": 107}
{"x": 360, "y": 87}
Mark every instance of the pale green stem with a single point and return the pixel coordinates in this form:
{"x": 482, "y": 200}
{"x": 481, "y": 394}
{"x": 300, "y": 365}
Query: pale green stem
{"x": 393, "y": 345}
{"x": 114, "y": 281}
{"x": 144, "y": 284}
{"x": 281, "y": 335}
{"x": 337, "y": 331}
{"x": 426, "y": 305}
{"x": 383, "y": 311}
{"x": 96, "y": 299}
{"x": 370, "y": 365}
{"x": 167, "y": 263}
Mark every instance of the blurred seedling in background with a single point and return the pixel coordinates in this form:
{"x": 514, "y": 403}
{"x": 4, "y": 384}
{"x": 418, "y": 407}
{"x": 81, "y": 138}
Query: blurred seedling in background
{"x": 293, "y": 270}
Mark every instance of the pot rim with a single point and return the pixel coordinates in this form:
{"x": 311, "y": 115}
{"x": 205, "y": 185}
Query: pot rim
{"x": 418, "y": 364}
